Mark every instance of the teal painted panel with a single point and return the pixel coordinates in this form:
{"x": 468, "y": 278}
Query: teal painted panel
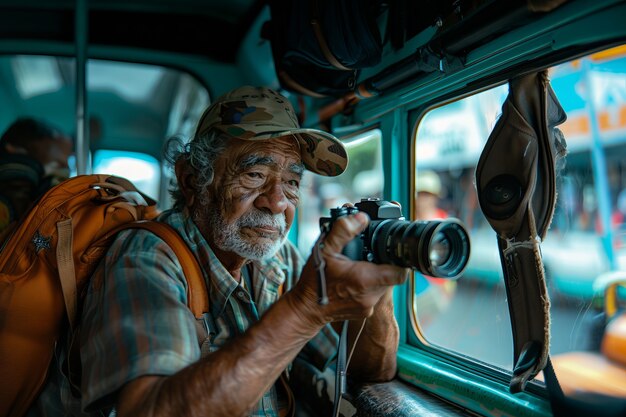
{"x": 480, "y": 394}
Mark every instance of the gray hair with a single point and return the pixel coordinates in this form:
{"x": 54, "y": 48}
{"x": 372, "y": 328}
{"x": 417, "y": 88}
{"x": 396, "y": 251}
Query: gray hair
{"x": 200, "y": 153}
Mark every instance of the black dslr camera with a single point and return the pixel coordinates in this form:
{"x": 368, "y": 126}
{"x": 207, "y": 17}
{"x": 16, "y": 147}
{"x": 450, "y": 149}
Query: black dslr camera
{"x": 438, "y": 248}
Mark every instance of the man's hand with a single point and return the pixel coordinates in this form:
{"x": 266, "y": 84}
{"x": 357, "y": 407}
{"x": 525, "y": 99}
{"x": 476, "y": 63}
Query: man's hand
{"x": 353, "y": 287}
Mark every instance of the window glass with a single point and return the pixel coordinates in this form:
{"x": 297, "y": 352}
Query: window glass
{"x": 37, "y": 87}
{"x": 36, "y": 75}
{"x": 131, "y": 81}
{"x": 132, "y": 110}
{"x": 585, "y": 248}
{"x": 143, "y": 170}
{"x": 363, "y": 178}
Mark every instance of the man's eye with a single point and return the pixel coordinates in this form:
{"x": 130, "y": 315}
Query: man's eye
{"x": 254, "y": 175}
{"x": 294, "y": 183}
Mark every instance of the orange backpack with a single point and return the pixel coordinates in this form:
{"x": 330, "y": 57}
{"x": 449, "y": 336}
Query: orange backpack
{"x": 46, "y": 264}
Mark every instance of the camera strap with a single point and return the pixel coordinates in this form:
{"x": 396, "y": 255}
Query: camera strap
{"x": 343, "y": 359}
{"x": 320, "y": 265}
{"x": 341, "y": 365}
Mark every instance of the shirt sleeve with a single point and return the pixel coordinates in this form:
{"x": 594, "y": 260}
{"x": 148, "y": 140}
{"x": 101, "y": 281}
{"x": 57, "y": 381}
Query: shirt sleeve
{"x": 135, "y": 319}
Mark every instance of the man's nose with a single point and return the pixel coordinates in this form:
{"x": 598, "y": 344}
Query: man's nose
{"x": 272, "y": 199}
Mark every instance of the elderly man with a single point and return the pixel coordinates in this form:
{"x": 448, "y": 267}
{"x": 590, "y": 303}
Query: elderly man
{"x": 238, "y": 191}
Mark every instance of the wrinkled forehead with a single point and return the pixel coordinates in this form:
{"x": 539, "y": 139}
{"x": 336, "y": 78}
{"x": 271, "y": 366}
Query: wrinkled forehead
{"x": 282, "y": 153}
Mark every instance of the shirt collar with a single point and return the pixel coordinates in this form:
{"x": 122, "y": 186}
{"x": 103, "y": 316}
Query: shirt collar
{"x": 219, "y": 281}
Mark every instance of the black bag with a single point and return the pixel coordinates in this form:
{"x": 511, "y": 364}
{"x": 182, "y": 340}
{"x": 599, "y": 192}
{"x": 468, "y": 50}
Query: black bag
{"x": 319, "y": 45}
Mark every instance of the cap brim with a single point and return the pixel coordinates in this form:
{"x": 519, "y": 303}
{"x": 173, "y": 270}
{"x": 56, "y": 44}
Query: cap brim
{"x": 321, "y": 152}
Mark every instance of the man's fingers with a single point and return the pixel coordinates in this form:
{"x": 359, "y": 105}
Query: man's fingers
{"x": 385, "y": 275}
{"x": 393, "y": 275}
{"x": 344, "y": 229}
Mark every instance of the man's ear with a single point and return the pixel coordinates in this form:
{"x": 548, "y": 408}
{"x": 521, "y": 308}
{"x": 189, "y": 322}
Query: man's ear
{"x": 186, "y": 178}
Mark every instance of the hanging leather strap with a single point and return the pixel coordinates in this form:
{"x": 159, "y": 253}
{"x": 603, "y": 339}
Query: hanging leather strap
{"x": 516, "y": 184}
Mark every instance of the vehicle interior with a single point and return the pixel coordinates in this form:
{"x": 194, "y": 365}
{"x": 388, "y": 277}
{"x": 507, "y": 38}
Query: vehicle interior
{"x": 122, "y": 77}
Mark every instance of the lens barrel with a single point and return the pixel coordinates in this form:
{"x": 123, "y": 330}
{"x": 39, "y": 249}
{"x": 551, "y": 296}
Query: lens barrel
{"x": 438, "y": 248}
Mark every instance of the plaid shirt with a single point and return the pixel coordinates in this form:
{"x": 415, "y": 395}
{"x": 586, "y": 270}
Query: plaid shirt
{"x": 136, "y": 322}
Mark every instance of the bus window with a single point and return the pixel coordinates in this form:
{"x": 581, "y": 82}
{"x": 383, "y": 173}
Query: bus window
{"x": 585, "y": 244}
{"x": 37, "y": 86}
{"x": 363, "y": 178}
{"x": 133, "y": 108}
{"x": 143, "y": 170}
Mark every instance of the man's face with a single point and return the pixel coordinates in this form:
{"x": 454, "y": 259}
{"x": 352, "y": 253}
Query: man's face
{"x": 250, "y": 205}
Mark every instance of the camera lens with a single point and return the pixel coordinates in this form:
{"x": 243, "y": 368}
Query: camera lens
{"x": 438, "y": 248}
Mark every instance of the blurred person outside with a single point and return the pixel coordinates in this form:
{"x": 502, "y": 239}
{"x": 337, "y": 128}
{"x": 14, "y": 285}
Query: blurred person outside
{"x": 33, "y": 158}
{"x": 428, "y": 192}
{"x": 619, "y": 221}
{"x": 432, "y": 295}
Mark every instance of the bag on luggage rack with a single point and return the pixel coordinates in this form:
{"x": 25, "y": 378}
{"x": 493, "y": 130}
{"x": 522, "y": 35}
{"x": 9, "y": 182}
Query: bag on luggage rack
{"x": 319, "y": 46}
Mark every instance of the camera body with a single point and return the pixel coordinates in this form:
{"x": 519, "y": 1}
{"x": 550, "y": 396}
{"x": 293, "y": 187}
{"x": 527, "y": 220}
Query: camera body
{"x": 437, "y": 248}
{"x": 378, "y": 210}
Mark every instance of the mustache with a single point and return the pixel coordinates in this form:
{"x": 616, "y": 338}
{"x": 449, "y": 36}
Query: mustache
{"x": 258, "y": 218}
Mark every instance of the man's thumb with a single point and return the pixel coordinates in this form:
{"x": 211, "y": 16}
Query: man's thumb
{"x": 345, "y": 229}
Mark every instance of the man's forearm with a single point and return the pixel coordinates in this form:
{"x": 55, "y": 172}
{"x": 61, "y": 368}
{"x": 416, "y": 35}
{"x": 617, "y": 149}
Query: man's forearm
{"x": 232, "y": 380}
{"x": 374, "y": 357}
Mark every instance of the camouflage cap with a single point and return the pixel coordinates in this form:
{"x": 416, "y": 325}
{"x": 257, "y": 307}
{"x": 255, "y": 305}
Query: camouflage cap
{"x": 256, "y": 113}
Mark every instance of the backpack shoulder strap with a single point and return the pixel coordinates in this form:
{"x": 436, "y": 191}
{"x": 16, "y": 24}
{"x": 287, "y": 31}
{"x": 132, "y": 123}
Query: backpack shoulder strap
{"x": 197, "y": 296}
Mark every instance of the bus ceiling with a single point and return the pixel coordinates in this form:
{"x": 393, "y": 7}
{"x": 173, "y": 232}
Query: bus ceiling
{"x": 224, "y": 31}
{"x": 225, "y": 44}
{"x": 206, "y": 28}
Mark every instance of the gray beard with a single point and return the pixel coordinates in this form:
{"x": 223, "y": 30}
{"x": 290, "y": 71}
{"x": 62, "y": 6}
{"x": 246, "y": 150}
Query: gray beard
{"x": 227, "y": 237}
